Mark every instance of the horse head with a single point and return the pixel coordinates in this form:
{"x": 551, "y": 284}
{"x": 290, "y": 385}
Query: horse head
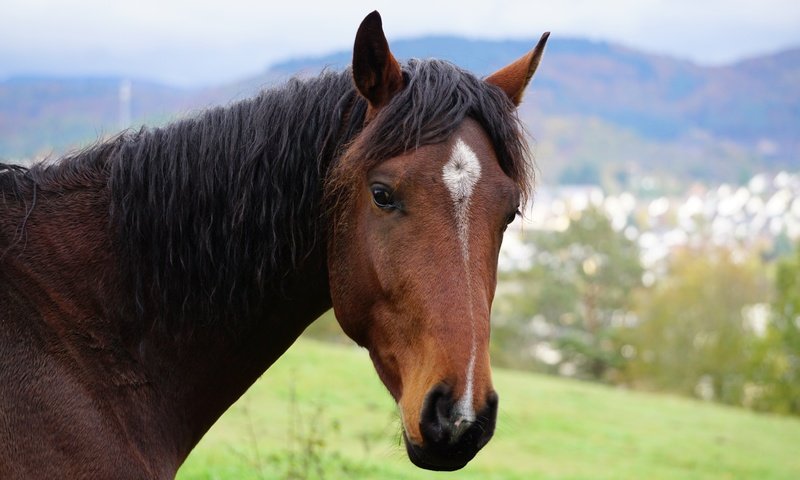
{"x": 412, "y": 254}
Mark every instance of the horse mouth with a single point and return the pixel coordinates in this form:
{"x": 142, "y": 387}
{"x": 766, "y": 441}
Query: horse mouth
{"x": 447, "y": 457}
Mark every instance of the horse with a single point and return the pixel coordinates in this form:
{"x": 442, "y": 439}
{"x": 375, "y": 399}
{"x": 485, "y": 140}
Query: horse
{"x": 148, "y": 280}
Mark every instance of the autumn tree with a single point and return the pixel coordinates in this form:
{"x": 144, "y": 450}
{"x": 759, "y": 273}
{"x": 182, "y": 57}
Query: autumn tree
{"x": 559, "y": 315}
{"x": 776, "y": 364}
{"x": 694, "y": 335}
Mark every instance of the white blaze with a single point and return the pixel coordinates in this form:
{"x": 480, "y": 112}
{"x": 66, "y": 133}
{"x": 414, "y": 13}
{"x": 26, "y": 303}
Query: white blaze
{"x": 460, "y": 175}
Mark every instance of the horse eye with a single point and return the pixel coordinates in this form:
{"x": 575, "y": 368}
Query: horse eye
{"x": 382, "y": 197}
{"x": 512, "y": 217}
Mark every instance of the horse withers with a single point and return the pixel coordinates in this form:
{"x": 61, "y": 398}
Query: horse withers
{"x": 147, "y": 281}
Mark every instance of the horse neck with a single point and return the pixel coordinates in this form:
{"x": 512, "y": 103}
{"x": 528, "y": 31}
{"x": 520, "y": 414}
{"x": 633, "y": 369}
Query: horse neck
{"x": 157, "y": 391}
{"x": 163, "y": 387}
{"x": 201, "y": 375}
{"x": 194, "y": 376}
{"x": 197, "y": 372}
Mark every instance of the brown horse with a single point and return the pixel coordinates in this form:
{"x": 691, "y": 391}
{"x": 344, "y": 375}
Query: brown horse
{"x": 147, "y": 281}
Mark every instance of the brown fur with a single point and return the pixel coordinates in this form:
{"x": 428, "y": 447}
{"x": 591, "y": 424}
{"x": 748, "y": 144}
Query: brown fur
{"x": 86, "y": 395}
{"x": 95, "y": 387}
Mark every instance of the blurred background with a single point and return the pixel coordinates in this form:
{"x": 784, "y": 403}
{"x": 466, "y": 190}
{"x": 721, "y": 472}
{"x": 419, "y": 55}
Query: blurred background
{"x": 659, "y": 254}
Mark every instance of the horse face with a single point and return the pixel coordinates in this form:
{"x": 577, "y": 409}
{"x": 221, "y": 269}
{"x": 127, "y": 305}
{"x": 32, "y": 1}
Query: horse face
{"x": 412, "y": 261}
{"x": 413, "y": 276}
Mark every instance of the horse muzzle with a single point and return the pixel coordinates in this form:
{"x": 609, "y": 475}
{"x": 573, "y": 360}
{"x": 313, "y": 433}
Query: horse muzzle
{"x": 450, "y": 440}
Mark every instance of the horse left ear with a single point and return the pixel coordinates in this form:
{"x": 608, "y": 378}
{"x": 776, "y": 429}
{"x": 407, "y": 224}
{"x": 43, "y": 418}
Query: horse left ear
{"x": 513, "y": 78}
{"x": 376, "y": 73}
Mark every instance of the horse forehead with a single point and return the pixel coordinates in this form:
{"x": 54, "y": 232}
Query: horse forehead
{"x": 424, "y": 167}
{"x": 473, "y": 135}
{"x": 469, "y": 142}
{"x": 470, "y": 163}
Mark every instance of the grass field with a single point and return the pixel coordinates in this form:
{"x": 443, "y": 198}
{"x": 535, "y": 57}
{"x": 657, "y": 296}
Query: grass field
{"x": 321, "y": 412}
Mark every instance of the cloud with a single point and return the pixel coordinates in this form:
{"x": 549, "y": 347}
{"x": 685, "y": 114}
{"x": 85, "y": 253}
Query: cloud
{"x": 195, "y": 42}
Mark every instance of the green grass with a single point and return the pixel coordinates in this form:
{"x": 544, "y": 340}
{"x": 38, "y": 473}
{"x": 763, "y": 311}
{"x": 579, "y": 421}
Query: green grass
{"x": 323, "y": 405}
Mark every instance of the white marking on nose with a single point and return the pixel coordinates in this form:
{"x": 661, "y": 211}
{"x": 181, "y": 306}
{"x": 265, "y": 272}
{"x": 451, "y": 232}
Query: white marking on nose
{"x": 463, "y": 409}
{"x": 461, "y": 172}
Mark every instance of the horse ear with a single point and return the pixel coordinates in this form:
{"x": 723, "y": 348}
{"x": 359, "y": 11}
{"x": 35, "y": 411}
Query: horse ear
{"x": 376, "y": 73}
{"x": 513, "y": 78}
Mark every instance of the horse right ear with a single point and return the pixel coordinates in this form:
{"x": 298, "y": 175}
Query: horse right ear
{"x": 513, "y": 78}
{"x": 376, "y": 73}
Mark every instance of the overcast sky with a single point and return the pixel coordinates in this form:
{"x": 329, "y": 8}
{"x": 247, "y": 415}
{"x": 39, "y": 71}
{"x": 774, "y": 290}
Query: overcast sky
{"x": 195, "y": 42}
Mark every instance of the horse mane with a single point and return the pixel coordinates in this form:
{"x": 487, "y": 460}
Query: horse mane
{"x": 214, "y": 213}
{"x": 13, "y": 179}
{"x": 13, "y": 182}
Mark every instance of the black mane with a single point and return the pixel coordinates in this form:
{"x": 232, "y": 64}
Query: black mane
{"x": 212, "y": 213}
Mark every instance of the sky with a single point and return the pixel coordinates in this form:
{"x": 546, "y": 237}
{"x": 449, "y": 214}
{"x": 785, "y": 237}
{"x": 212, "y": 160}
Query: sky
{"x": 197, "y": 42}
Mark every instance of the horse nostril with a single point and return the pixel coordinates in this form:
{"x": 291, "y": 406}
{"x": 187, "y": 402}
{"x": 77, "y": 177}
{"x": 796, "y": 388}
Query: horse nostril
{"x": 441, "y": 423}
{"x": 434, "y": 419}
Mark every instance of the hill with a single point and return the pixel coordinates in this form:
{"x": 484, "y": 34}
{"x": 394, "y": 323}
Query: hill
{"x": 322, "y": 408}
{"x": 612, "y": 109}
{"x": 595, "y": 107}
{"x": 41, "y": 115}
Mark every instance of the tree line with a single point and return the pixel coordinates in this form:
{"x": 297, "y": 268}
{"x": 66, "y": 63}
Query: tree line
{"x": 713, "y": 322}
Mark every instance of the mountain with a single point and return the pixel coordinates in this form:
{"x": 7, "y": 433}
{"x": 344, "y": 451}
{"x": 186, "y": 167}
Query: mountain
{"x": 609, "y": 110}
{"x": 600, "y": 111}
